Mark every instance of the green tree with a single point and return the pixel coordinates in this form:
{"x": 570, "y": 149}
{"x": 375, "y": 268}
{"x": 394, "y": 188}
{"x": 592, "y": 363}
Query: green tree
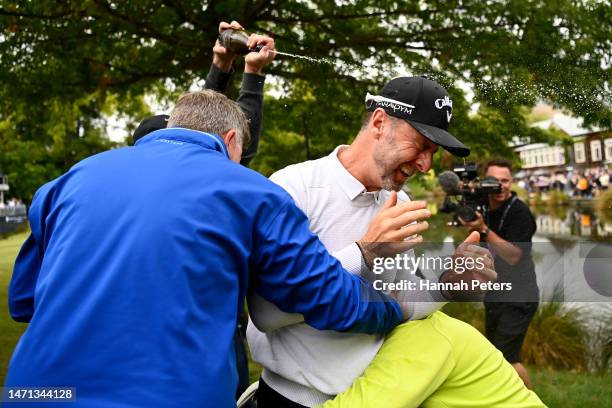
{"x": 41, "y": 140}
{"x": 511, "y": 53}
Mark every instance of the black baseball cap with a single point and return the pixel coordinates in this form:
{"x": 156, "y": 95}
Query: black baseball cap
{"x": 424, "y": 104}
{"x": 150, "y": 124}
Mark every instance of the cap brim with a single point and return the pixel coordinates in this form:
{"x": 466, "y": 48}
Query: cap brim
{"x": 441, "y": 138}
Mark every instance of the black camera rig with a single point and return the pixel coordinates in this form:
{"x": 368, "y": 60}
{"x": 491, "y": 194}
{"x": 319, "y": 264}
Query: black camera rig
{"x": 465, "y": 192}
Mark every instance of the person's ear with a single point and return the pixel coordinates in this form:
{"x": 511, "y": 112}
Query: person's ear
{"x": 377, "y": 122}
{"x": 229, "y": 137}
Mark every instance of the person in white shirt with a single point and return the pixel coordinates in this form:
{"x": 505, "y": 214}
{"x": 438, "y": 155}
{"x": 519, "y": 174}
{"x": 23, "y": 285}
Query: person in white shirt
{"x": 350, "y": 200}
{"x": 604, "y": 180}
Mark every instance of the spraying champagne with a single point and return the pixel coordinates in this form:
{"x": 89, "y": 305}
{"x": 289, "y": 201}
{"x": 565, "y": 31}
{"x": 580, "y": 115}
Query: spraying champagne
{"x": 236, "y": 41}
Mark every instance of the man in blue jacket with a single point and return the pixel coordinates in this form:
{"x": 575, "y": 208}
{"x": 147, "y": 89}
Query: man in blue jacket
{"x": 140, "y": 258}
{"x": 250, "y": 99}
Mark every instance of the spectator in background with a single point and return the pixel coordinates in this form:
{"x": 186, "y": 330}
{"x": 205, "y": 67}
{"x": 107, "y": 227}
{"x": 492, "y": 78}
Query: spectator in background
{"x": 570, "y": 185}
{"x": 583, "y": 186}
{"x": 559, "y": 182}
{"x": 604, "y": 180}
{"x": 532, "y": 185}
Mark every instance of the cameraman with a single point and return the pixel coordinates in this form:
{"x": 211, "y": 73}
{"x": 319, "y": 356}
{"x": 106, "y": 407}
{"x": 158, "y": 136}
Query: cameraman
{"x": 507, "y": 227}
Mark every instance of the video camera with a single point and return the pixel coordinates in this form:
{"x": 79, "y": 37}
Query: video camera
{"x": 469, "y": 191}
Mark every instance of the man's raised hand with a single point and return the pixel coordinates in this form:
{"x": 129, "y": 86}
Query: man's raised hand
{"x": 222, "y": 57}
{"x": 395, "y": 229}
{"x": 255, "y": 61}
{"x": 478, "y": 266}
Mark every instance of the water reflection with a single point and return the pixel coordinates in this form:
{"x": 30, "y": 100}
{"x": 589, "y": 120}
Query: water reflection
{"x": 572, "y": 252}
{"x": 559, "y": 222}
{"x": 572, "y": 223}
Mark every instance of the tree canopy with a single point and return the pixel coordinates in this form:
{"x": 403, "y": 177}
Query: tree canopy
{"x": 65, "y": 65}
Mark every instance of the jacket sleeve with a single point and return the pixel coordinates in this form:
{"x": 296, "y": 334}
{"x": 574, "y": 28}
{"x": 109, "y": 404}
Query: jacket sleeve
{"x": 27, "y": 265}
{"x": 217, "y": 80}
{"x": 250, "y": 100}
{"x": 295, "y": 272}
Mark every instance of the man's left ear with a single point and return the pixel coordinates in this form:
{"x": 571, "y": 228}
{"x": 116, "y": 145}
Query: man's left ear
{"x": 229, "y": 137}
{"x": 377, "y": 121}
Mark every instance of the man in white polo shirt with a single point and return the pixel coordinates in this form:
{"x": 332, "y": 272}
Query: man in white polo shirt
{"x": 349, "y": 198}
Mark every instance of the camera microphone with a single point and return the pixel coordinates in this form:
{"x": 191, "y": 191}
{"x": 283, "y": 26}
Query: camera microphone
{"x": 450, "y": 183}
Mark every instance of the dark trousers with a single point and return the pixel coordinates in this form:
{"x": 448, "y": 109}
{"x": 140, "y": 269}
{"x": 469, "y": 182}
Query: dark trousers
{"x": 268, "y": 398}
{"x": 506, "y": 325}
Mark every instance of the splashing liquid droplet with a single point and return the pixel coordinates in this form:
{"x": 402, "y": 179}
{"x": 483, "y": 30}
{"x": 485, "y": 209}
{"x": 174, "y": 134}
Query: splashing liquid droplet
{"x": 311, "y": 59}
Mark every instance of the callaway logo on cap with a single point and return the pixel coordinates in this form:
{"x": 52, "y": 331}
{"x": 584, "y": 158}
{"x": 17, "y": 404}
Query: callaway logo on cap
{"x": 424, "y": 104}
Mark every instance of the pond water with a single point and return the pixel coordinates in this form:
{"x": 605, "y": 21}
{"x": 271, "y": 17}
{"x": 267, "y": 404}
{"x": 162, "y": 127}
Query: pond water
{"x": 571, "y": 223}
{"x": 581, "y": 241}
{"x": 572, "y": 252}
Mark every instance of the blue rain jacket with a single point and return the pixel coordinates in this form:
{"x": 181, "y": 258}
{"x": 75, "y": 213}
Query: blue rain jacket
{"x": 137, "y": 266}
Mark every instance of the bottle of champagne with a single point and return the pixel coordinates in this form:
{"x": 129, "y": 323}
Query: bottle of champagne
{"x": 236, "y": 41}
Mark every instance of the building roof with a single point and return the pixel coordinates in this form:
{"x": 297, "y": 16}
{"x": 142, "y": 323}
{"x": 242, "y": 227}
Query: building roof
{"x": 531, "y": 146}
{"x": 568, "y": 124}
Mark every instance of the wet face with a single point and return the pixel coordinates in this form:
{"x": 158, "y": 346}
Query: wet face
{"x": 503, "y": 175}
{"x": 401, "y": 151}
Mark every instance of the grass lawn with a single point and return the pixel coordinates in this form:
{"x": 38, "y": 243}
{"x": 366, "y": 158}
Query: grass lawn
{"x": 556, "y": 389}
{"x": 9, "y": 329}
{"x": 565, "y": 389}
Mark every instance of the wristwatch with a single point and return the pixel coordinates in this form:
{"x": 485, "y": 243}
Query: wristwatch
{"x": 484, "y": 233}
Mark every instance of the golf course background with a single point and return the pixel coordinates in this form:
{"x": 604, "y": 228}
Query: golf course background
{"x": 556, "y": 388}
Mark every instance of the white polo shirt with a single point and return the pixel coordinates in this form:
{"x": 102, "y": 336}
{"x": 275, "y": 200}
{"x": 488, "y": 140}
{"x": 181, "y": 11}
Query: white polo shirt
{"x": 306, "y": 365}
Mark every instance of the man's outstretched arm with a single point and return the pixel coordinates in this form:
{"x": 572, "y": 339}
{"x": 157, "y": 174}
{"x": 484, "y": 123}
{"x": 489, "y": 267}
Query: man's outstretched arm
{"x": 267, "y": 317}
{"x": 28, "y": 263}
{"x": 295, "y": 272}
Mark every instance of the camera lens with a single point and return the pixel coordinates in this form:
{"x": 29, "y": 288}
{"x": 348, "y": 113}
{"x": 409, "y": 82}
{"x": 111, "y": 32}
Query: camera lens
{"x": 466, "y": 213}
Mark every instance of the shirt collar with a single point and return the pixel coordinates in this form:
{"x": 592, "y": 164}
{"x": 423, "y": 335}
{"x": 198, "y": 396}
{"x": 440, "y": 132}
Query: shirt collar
{"x": 349, "y": 184}
{"x": 177, "y": 135}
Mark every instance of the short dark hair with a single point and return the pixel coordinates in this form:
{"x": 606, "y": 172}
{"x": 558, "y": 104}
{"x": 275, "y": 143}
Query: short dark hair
{"x": 499, "y": 163}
